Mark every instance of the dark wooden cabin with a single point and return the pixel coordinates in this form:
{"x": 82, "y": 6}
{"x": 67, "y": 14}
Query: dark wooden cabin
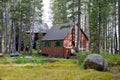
{"x": 39, "y": 30}
{"x": 58, "y": 42}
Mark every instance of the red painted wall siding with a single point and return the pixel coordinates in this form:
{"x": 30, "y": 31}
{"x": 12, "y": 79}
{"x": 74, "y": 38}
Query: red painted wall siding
{"x": 68, "y": 40}
{"x": 53, "y": 51}
{"x": 84, "y": 41}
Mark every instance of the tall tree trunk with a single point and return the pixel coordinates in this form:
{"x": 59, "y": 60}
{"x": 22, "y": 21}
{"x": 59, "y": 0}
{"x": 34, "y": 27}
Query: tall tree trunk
{"x": 39, "y": 43}
{"x": 24, "y": 46}
{"x": 89, "y": 8}
{"x": 78, "y": 31}
{"x": 31, "y": 42}
{"x": 73, "y": 30}
{"x": 99, "y": 26}
{"x": 11, "y": 39}
{"x": 1, "y": 25}
{"x": 6, "y": 26}
{"x": 119, "y": 23}
{"x": 14, "y": 27}
{"x": 20, "y": 34}
{"x": 19, "y": 40}
{"x": 0, "y": 42}
{"x": 115, "y": 35}
{"x": 31, "y": 29}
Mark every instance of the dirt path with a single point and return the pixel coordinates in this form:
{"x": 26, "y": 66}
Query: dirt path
{"x": 115, "y": 72}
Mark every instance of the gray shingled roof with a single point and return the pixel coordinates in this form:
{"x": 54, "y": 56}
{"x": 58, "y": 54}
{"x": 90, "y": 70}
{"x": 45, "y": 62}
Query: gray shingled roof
{"x": 57, "y": 33}
{"x": 39, "y": 27}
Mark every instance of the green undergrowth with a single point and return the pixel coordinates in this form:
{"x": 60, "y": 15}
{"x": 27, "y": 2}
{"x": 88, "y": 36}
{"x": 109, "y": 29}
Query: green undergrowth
{"x": 26, "y": 53}
{"x": 113, "y": 59}
{"x": 23, "y": 60}
{"x": 81, "y": 58}
{"x": 6, "y": 59}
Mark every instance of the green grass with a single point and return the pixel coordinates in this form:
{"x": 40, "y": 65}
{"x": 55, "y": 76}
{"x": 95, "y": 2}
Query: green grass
{"x": 112, "y": 59}
{"x": 26, "y": 53}
{"x": 65, "y": 70}
{"x": 38, "y": 69}
{"x": 23, "y": 60}
{"x": 6, "y": 59}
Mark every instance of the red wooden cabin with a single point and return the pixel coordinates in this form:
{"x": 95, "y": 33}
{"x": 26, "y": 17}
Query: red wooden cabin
{"x": 59, "y": 42}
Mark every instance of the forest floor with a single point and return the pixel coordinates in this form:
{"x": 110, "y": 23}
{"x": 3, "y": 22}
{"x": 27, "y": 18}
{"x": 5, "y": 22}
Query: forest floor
{"x": 115, "y": 72}
{"x": 51, "y": 69}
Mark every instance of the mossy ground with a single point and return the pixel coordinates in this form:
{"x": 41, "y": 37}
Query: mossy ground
{"x": 62, "y": 69}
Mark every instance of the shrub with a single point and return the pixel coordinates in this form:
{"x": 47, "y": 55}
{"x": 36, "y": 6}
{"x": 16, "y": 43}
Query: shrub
{"x": 81, "y": 57}
{"x": 34, "y": 53}
{"x": 113, "y": 59}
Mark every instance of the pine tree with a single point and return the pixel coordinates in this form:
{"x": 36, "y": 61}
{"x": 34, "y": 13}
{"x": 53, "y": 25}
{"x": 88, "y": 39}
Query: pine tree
{"x": 59, "y": 11}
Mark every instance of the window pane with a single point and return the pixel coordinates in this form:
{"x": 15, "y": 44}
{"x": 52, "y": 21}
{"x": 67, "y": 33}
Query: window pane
{"x": 47, "y": 44}
{"x": 58, "y": 44}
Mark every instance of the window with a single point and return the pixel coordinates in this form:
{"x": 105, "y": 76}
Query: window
{"x": 47, "y": 44}
{"x": 57, "y": 43}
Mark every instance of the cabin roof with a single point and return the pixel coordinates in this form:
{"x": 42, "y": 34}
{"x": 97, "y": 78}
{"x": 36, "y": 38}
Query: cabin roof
{"x": 39, "y": 27}
{"x": 60, "y": 31}
{"x": 57, "y": 32}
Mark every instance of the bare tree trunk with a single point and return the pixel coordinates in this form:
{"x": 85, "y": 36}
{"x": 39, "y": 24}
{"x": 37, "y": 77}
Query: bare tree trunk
{"x": 39, "y": 42}
{"x": 0, "y": 43}
{"x": 20, "y": 34}
{"x": 10, "y": 43}
{"x": 1, "y": 38}
{"x": 1, "y": 25}
{"x": 115, "y": 35}
{"x": 99, "y": 26}
{"x": 78, "y": 31}
{"x": 31, "y": 42}
{"x": 19, "y": 40}
{"x": 14, "y": 27}
{"x": 73, "y": 30}
{"x": 119, "y": 23}
{"x": 24, "y": 46}
{"x": 6, "y": 26}
{"x": 31, "y": 30}
{"x": 89, "y": 7}
{"x": 108, "y": 37}
{"x": 105, "y": 34}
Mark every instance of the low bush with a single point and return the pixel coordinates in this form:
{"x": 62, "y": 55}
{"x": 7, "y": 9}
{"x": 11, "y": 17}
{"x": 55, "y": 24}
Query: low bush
{"x": 113, "y": 59}
{"x": 81, "y": 57}
{"x": 26, "y": 53}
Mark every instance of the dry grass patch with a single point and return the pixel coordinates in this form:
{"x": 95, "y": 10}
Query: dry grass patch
{"x": 60, "y": 70}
